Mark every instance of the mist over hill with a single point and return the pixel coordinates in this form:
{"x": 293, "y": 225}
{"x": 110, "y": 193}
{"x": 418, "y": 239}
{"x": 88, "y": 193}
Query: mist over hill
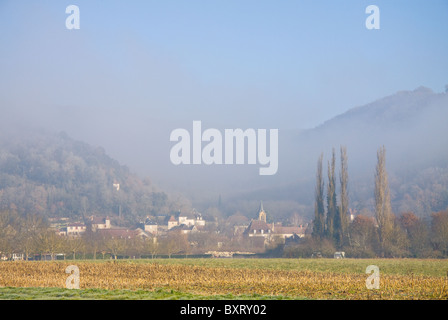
{"x": 410, "y": 124}
{"x": 55, "y": 174}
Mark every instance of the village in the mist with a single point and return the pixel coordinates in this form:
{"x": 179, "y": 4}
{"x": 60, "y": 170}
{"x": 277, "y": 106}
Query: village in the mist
{"x": 153, "y": 138}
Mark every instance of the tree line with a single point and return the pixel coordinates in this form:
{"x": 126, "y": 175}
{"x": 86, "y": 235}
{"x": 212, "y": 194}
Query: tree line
{"x": 381, "y": 234}
{"x": 331, "y": 224}
{"x": 33, "y": 237}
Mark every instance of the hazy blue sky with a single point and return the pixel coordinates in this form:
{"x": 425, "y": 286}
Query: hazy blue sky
{"x": 135, "y": 70}
{"x": 283, "y": 64}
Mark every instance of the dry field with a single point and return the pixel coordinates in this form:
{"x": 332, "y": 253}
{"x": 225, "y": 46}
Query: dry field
{"x": 209, "y": 280}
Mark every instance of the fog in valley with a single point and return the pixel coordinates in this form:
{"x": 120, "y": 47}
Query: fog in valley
{"x": 129, "y": 77}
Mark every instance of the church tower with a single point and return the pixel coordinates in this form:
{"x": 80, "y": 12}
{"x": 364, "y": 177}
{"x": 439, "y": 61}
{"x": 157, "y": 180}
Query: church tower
{"x": 262, "y": 213}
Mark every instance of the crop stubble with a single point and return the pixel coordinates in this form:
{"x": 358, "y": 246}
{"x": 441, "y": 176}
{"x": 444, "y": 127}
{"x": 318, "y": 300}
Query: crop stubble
{"x": 221, "y": 280}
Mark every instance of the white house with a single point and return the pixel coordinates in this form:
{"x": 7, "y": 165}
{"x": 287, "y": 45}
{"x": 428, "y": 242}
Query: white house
{"x": 187, "y": 220}
{"x": 172, "y": 222}
{"x": 150, "y": 227}
{"x": 76, "y": 229}
{"x": 199, "y": 222}
{"x": 191, "y": 219}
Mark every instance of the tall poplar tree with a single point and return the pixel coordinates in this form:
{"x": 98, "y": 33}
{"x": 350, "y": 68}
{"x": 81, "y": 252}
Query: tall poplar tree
{"x": 331, "y": 199}
{"x": 319, "y": 208}
{"x": 383, "y": 210}
{"x": 341, "y": 231}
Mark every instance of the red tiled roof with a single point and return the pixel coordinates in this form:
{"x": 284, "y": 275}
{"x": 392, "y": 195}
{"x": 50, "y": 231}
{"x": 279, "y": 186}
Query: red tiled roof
{"x": 257, "y": 225}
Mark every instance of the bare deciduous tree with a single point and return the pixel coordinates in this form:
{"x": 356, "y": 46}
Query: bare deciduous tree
{"x": 383, "y": 211}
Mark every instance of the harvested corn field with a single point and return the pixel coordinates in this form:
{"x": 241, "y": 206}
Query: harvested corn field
{"x": 209, "y": 279}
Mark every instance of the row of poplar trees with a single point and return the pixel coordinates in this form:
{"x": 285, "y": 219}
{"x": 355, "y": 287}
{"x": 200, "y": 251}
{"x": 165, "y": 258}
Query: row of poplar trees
{"x": 332, "y": 222}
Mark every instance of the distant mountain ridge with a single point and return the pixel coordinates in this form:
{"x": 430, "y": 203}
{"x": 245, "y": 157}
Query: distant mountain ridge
{"x": 402, "y": 122}
{"x": 410, "y": 124}
{"x": 55, "y": 175}
{"x": 391, "y": 108}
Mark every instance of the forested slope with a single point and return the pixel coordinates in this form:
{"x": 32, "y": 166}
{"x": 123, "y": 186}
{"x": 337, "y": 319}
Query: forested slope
{"x": 54, "y": 175}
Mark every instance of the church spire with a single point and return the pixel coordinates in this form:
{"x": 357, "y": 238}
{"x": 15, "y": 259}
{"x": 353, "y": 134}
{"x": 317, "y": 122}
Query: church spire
{"x": 262, "y": 213}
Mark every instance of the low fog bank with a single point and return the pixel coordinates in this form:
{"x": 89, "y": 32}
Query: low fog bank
{"x": 410, "y": 124}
